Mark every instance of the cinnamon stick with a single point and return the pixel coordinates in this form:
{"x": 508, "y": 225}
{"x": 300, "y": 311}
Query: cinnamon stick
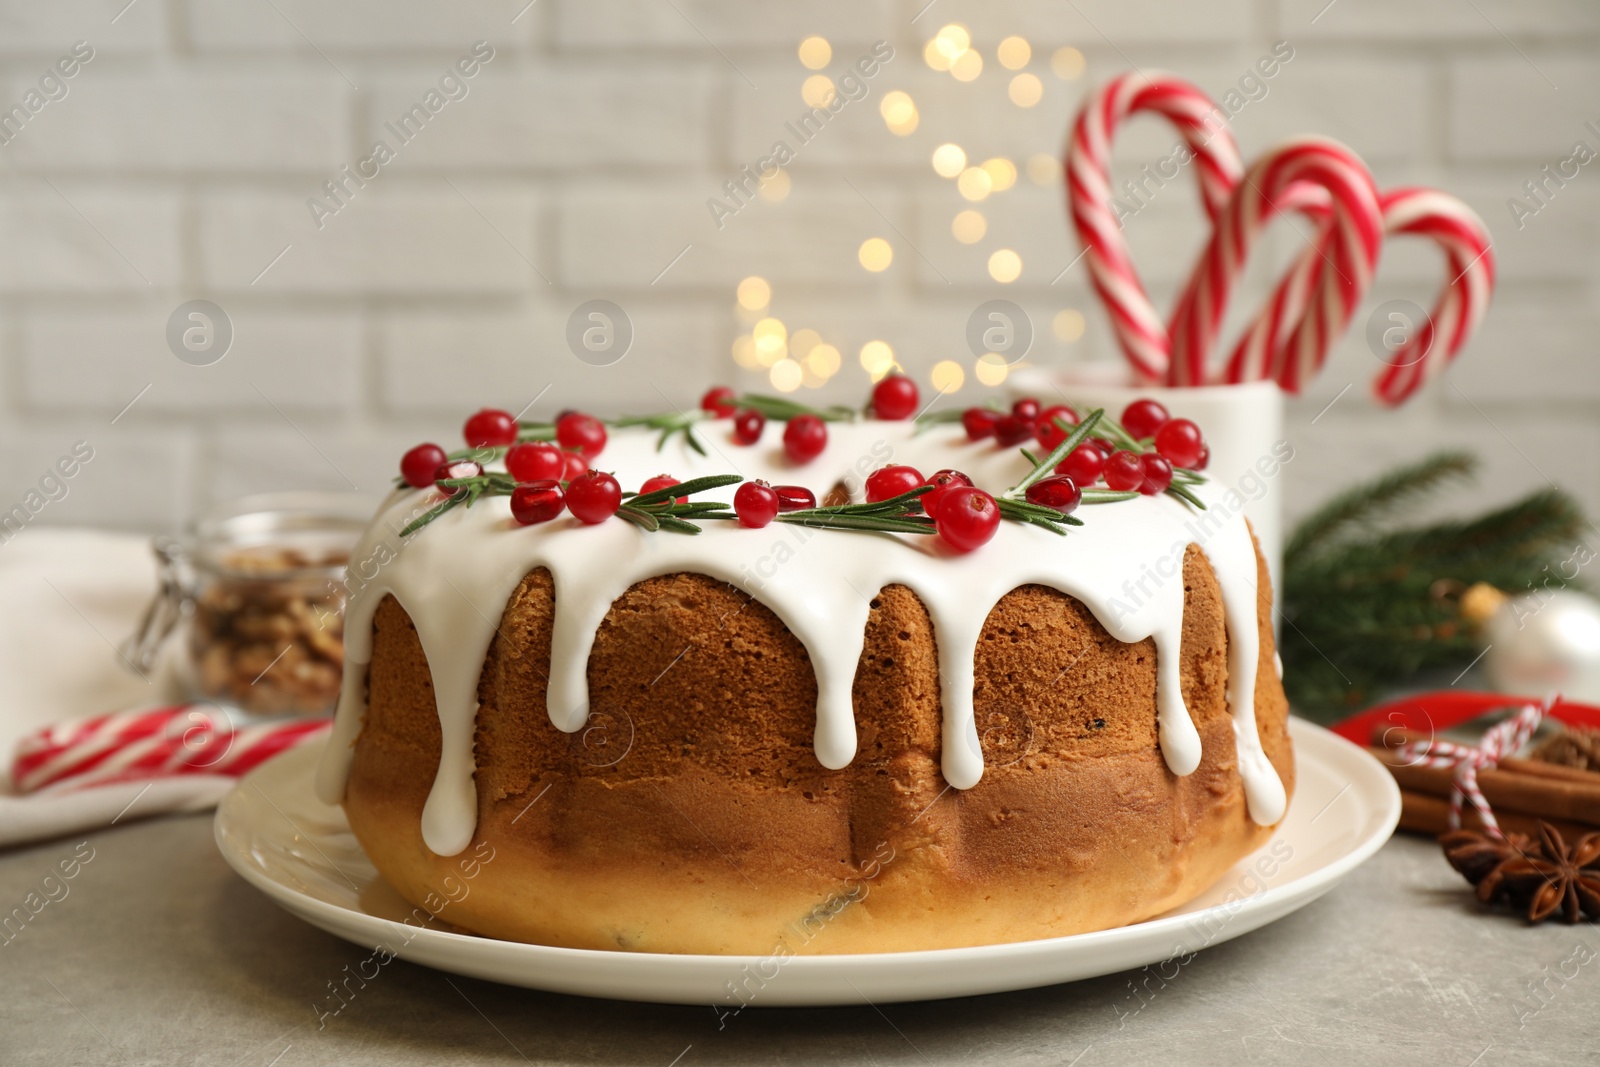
{"x": 1425, "y": 814}
{"x": 1543, "y": 797}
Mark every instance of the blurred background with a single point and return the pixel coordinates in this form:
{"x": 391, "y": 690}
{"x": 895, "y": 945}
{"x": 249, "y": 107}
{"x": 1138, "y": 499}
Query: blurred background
{"x": 189, "y": 155}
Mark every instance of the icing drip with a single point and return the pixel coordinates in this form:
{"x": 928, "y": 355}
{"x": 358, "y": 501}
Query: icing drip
{"x": 455, "y": 577}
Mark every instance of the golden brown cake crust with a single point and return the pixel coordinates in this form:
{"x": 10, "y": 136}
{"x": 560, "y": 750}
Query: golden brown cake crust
{"x": 691, "y": 814}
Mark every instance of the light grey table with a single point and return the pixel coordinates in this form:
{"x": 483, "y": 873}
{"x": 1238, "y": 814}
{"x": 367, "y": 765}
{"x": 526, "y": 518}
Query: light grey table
{"x": 159, "y": 954}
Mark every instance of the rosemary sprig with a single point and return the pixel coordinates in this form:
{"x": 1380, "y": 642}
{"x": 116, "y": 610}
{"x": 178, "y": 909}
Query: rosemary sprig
{"x": 1182, "y": 477}
{"x": 465, "y": 491}
{"x": 894, "y": 515}
{"x": 669, "y": 423}
{"x": 781, "y": 410}
{"x": 661, "y": 509}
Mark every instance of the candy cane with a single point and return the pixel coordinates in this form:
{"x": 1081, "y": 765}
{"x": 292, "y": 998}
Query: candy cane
{"x": 1138, "y": 326}
{"x": 1460, "y": 308}
{"x": 1349, "y": 251}
{"x": 1436, "y": 341}
{"x": 163, "y": 743}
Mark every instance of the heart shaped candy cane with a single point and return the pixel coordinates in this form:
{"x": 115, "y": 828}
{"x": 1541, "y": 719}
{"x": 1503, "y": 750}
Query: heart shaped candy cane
{"x": 1332, "y": 288}
{"x": 1140, "y": 328}
{"x": 1288, "y": 341}
{"x": 1432, "y": 344}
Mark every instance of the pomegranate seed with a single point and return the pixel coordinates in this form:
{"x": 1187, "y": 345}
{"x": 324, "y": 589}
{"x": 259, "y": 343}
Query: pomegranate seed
{"x": 756, "y": 504}
{"x": 575, "y": 465}
{"x": 1013, "y": 430}
{"x": 1026, "y": 409}
{"x": 1045, "y": 429}
{"x": 418, "y": 465}
{"x": 594, "y": 496}
{"x": 1180, "y": 441}
{"x": 967, "y": 518}
{"x": 578, "y": 432}
{"x": 794, "y": 497}
{"x": 979, "y": 423}
{"x": 660, "y": 481}
{"x": 1156, "y": 470}
{"x": 747, "y": 426}
{"x": 718, "y": 400}
{"x": 895, "y": 397}
{"x": 490, "y": 428}
{"x": 537, "y": 501}
{"x": 1202, "y": 459}
{"x": 1083, "y": 464}
{"x": 1143, "y": 418}
{"x": 1057, "y": 491}
{"x": 460, "y": 468}
{"x": 804, "y": 438}
{"x": 888, "y": 482}
{"x": 943, "y": 482}
{"x": 1123, "y": 471}
{"x": 535, "y": 461}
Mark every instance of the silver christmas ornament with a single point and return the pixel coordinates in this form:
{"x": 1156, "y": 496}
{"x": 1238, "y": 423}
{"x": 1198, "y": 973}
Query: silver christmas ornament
{"x": 1545, "y": 642}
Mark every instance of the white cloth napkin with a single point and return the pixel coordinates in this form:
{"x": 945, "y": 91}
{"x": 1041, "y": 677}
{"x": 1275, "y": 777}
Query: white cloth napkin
{"x": 68, "y": 598}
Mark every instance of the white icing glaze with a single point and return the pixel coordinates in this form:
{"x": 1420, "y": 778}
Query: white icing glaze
{"x": 1125, "y": 565}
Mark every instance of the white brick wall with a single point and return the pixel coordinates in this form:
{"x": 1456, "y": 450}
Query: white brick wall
{"x": 577, "y": 166}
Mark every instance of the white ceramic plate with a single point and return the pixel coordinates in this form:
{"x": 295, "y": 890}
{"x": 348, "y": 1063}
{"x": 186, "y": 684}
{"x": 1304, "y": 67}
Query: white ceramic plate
{"x": 300, "y": 852}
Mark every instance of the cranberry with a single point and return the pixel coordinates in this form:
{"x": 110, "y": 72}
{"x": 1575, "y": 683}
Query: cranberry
{"x": 1156, "y": 470}
{"x": 1013, "y": 430}
{"x": 537, "y": 501}
{"x": 943, "y": 482}
{"x": 1180, "y": 441}
{"x": 718, "y": 400}
{"x": 575, "y": 464}
{"x": 1057, "y": 491}
{"x": 459, "y": 468}
{"x": 794, "y": 497}
{"x": 1202, "y": 459}
{"x": 660, "y": 481}
{"x": 578, "y": 432}
{"x": 490, "y": 428}
{"x": 804, "y": 438}
{"x": 1143, "y": 418}
{"x": 1123, "y": 471}
{"x": 594, "y": 496}
{"x": 1027, "y": 409}
{"x": 1083, "y": 464}
{"x": 967, "y": 518}
{"x": 894, "y": 398}
{"x": 887, "y": 482}
{"x": 417, "y": 466}
{"x": 979, "y": 423}
{"x": 1107, "y": 449}
{"x": 747, "y": 426}
{"x": 1045, "y": 427}
{"x": 534, "y": 461}
{"x": 755, "y": 503}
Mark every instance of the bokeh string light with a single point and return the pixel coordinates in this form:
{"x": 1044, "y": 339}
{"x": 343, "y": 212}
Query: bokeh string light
{"x": 803, "y": 359}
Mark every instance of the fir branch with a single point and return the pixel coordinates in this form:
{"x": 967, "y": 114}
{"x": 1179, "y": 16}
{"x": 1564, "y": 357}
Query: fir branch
{"x": 1369, "y": 502}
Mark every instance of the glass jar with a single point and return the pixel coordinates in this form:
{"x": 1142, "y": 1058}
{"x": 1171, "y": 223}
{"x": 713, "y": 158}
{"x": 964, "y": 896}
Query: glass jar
{"x": 253, "y": 596}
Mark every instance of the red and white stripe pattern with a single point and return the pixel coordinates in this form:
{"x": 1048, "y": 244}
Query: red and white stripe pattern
{"x": 1289, "y": 341}
{"x": 1330, "y": 290}
{"x": 1502, "y": 739}
{"x": 1433, "y": 343}
{"x": 1203, "y": 126}
{"x": 159, "y": 743}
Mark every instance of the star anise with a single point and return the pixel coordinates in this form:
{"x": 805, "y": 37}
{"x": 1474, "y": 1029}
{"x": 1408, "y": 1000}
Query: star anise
{"x": 1555, "y": 876}
{"x": 1482, "y": 859}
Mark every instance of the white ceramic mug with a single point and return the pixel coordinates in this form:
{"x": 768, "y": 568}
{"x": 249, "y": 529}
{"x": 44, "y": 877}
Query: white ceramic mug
{"x": 1243, "y": 426}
